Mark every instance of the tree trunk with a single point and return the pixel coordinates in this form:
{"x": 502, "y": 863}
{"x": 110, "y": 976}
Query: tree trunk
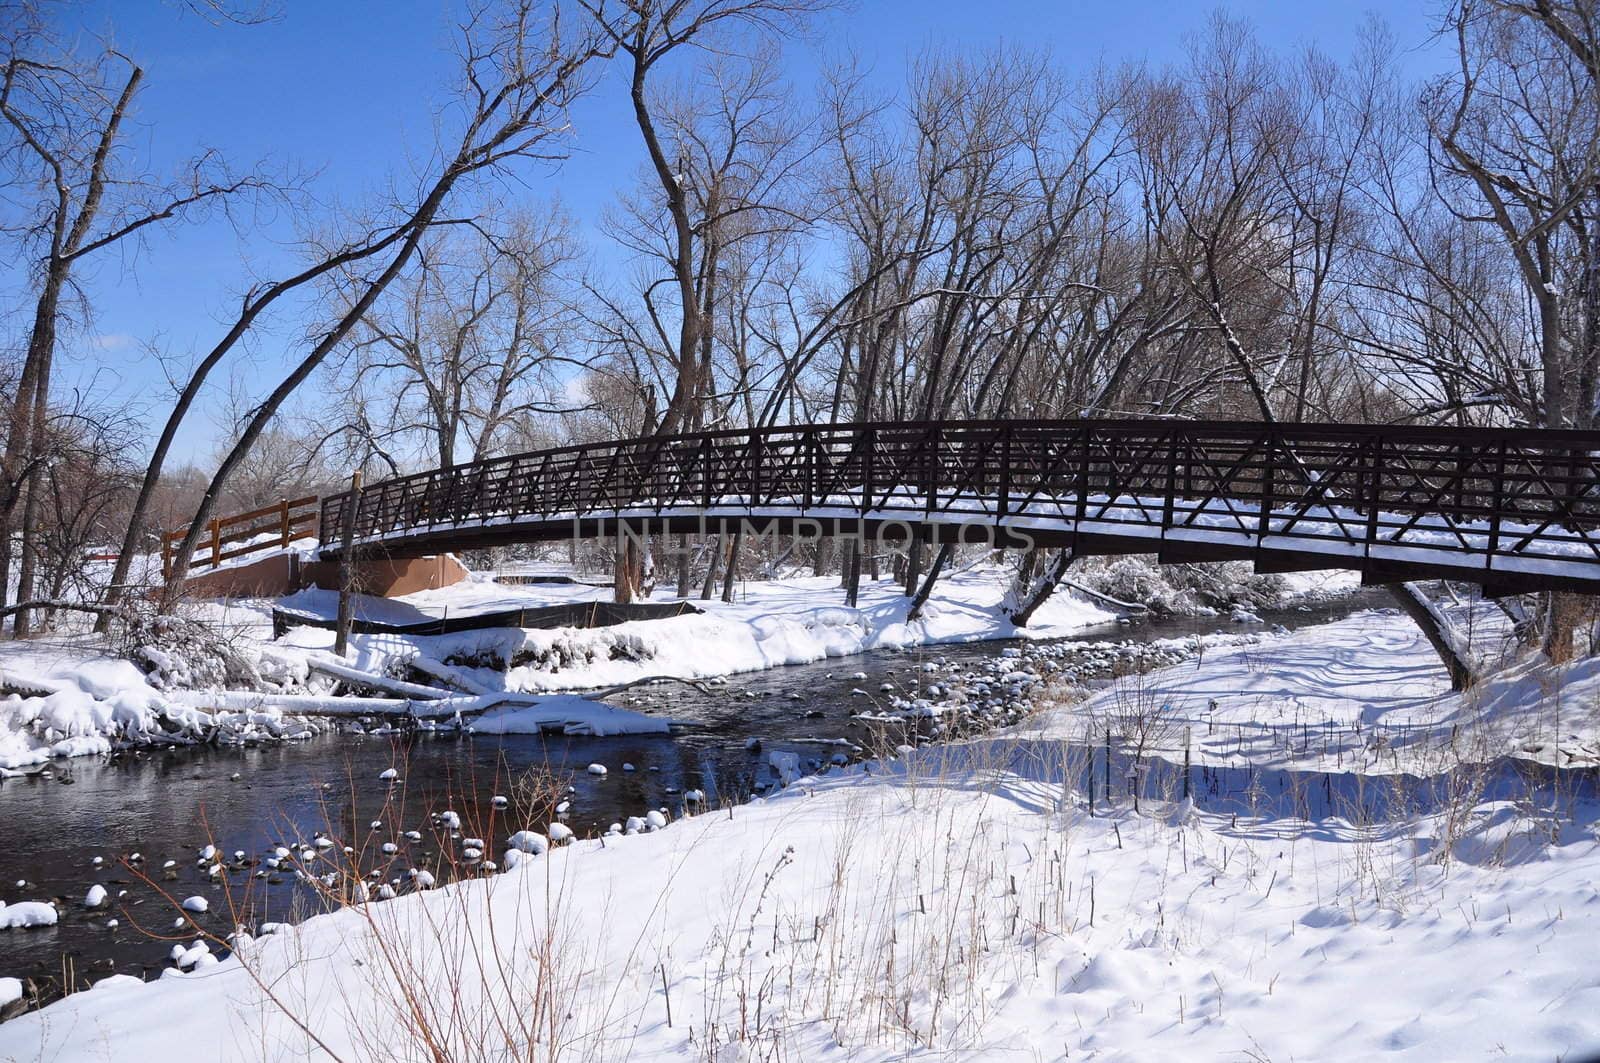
{"x": 913, "y": 563}
{"x": 347, "y": 568}
{"x": 927, "y": 585}
{"x": 684, "y": 575}
{"x": 823, "y": 561}
{"x": 625, "y": 581}
{"x": 26, "y": 436}
{"x": 1042, "y": 588}
{"x": 1561, "y": 622}
{"x": 22, "y": 624}
{"x": 852, "y": 590}
{"x": 712, "y": 558}
{"x": 731, "y": 573}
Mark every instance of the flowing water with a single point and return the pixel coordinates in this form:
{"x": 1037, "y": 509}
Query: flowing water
{"x": 166, "y": 805}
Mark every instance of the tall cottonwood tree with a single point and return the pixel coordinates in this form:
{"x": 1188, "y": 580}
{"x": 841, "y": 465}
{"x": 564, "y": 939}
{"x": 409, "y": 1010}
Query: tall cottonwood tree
{"x": 79, "y": 195}
{"x": 1516, "y": 136}
{"x": 655, "y": 31}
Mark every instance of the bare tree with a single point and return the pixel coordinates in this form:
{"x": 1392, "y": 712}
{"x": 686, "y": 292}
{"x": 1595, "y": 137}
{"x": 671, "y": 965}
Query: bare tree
{"x": 66, "y": 149}
{"x": 521, "y": 68}
{"x": 474, "y": 338}
{"x": 655, "y": 31}
{"x": 1517, "y": 130}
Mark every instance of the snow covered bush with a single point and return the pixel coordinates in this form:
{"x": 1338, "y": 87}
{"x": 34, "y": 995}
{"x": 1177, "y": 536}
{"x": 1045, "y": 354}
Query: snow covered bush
{"x": 178, "y": 653}
{"x": 1181, "y": 589}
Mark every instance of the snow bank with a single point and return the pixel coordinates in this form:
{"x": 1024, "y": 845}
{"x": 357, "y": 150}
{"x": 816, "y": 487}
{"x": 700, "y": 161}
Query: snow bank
{"x": 781, "y": 622}
{"x": 911, "y": 914}
{"x": 28, "y": 914}
{"x": 1366, "y": 693}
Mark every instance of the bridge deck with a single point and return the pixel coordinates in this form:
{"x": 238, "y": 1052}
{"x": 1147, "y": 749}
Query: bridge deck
{"x": 1513, "y": 510}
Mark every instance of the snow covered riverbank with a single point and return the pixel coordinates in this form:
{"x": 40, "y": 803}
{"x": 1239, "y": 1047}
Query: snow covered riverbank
{"x": 74, "y": 697}
{"x": 1365, "y": 694}
{"x": 955, "y": 904}
{"x": 777, "y": 622}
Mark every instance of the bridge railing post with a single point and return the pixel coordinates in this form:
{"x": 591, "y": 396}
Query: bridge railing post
{"x": 1497, "y": 490}
{"x": 1003, "y": 503}
{"x": 1082, "y": 502}
{"x": 1271, "y": 445}
{"x": 755, "y": 469}
{"x": 807, "y": 468}
{"x": 868, "y": 461}
{"x": 706, "y": 473}
{"x": 1169, "y": 503}
{"x": 1374, "y": 491}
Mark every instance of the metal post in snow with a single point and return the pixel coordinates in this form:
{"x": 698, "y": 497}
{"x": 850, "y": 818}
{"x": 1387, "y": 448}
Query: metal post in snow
{"x": 1187, "y": 742}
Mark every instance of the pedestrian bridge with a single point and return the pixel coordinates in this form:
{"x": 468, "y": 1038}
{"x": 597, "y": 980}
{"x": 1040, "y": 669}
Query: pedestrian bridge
{"x": 1511, "y": 509}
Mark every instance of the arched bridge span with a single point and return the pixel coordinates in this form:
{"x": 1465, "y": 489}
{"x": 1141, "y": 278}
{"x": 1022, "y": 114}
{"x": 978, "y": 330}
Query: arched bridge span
{"x": 1510, "y": 509}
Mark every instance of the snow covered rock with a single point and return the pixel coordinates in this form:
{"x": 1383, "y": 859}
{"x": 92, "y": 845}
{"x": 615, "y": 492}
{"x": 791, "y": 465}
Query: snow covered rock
{"x": 529, "y": 841}
{"x": 27, "y": 914}
{"x": 787, "y": 765}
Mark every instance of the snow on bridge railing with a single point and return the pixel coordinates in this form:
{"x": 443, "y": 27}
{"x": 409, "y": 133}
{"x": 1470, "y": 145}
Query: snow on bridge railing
{"x": 261, "y": 530}
{"x": 1507, "y": 501}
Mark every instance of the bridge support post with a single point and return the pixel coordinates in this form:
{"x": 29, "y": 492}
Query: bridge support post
{"x": 852, "y": 590}
{"x": 347, "y": 537}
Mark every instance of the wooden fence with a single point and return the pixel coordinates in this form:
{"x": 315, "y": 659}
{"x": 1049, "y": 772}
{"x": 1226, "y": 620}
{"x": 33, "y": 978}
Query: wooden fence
{"x": 256, "y": 532}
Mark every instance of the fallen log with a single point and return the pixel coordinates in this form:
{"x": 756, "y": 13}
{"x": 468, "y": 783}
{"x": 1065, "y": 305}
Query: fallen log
{"x": 348, "y": 674}
{"x": 597, "y": 695}
{"x": 1132, "y": 607}
{"x": 447, "y": 674}
{"x": 342, "y": 705}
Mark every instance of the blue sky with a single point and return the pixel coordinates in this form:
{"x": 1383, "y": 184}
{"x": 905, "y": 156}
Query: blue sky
{"x": 343, "y": 88}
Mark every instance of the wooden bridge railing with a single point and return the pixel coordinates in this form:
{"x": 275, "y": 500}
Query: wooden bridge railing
{"x": 258, "y": 531}
{"x": 1514, "y": 500}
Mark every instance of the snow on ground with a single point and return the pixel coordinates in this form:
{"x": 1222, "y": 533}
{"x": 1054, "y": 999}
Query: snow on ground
{"x": 1365, "y": 694}
{"x": 961, "y": 904}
